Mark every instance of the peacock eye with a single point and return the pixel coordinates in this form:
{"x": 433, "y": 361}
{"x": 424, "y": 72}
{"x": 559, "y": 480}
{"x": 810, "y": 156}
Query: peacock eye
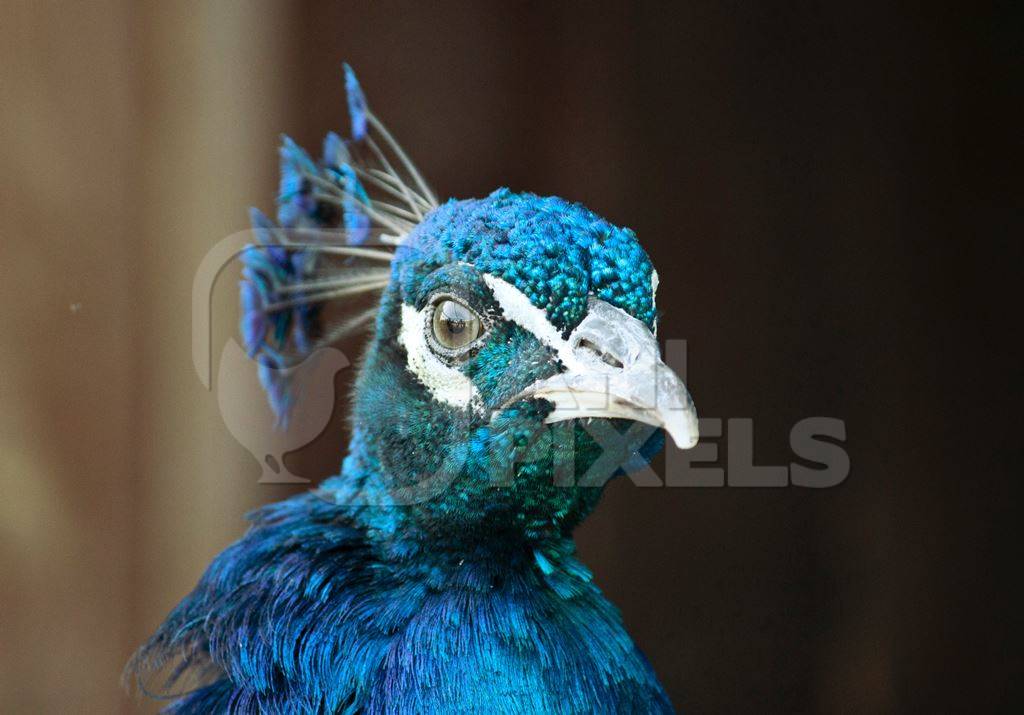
{"x": 455, "y": 325}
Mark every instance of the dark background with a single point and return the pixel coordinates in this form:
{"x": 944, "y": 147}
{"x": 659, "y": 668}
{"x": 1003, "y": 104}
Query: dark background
{"x": 830, "y": 192}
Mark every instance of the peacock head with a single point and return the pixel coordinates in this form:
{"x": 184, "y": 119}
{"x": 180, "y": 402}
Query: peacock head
{"x": 514, "y": 367}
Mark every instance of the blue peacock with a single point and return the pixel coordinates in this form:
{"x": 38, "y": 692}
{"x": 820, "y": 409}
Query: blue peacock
{"x": 512, "y": 370}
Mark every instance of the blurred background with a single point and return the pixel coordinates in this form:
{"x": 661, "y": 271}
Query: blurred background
{"x": 830, "y": 193}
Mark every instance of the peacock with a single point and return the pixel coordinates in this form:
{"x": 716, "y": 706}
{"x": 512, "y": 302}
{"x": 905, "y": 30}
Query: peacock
{"x": 512, "y": 370}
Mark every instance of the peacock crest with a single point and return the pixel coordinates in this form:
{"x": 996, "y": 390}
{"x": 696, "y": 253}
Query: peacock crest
{"x": 338, "y": 221}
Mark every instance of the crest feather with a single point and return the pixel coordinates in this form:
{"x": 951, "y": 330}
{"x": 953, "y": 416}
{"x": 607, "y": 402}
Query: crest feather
{"x": 363, "y": 192}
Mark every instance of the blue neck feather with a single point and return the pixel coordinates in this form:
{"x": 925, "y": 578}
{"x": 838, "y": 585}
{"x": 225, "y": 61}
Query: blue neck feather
{"x": 322, "y": 618}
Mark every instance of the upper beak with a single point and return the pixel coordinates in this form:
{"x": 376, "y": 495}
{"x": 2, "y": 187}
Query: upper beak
{"x": 614, "y": 369}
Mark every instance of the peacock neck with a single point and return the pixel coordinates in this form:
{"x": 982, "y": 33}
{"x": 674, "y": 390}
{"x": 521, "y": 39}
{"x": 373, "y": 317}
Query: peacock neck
{"x": 391, "y": 511}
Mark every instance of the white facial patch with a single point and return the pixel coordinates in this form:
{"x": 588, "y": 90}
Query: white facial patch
{"x": 447, "y": 384}
{"x": 654, "y": 295}
{"x": 518, "y": 308}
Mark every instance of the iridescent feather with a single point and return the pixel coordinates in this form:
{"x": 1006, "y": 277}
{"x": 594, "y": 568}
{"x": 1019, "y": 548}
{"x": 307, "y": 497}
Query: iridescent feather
{"x": 329, "y": 214}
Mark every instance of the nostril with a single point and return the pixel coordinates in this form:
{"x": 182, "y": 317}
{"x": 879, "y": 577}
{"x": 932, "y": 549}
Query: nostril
{"x": 602, "y": 355}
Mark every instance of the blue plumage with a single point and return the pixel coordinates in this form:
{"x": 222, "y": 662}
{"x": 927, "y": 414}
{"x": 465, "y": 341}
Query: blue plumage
{"x": 305, "y": 615}
{"x": 436, "y": 573}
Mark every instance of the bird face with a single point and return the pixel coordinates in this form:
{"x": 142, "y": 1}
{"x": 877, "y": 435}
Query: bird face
{"x": 514, "y": 366}
{"x": 515, "y": 342}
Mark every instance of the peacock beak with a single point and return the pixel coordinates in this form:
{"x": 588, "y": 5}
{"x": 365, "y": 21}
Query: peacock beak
{"x": 614, "y": 369}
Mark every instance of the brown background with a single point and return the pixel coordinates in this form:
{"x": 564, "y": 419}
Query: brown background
{"x": 827, "y": 189}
